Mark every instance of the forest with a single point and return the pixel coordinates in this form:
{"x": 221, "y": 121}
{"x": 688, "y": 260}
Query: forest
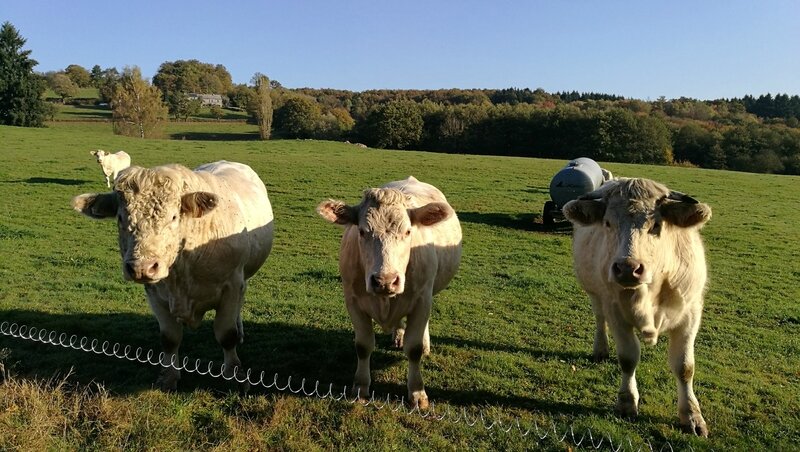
{"x": 755, "y": 134}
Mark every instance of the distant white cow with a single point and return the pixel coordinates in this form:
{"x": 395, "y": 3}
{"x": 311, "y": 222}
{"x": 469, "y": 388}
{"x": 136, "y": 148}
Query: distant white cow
{"x": 638, "y": 254}
{"x": 112, "y": 164}
{"x": 193, "y": 238}
{"x": 401, "y": 245}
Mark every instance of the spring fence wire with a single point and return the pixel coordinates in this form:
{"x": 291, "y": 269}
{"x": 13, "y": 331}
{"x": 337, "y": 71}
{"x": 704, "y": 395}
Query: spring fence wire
{"x": 537, "y": 432}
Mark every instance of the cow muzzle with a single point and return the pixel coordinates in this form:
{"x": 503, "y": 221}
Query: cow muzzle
{"x": 385, "y": 284}
{"x": 629, "y": 273}
{"x": 145, "y": 271}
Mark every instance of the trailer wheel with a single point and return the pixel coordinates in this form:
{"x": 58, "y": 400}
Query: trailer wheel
{"x": 547, "y": 213}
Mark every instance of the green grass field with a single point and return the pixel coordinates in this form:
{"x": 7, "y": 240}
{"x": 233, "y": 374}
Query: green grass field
{"x": 511, "y": 336}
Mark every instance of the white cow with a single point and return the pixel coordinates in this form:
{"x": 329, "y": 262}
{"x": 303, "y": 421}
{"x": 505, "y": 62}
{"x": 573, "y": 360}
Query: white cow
{"x": 193, "y": 238}
{"x": 401, "y": 245}
{"x": 112, "y": 164}
{"x": 638, "y": 255}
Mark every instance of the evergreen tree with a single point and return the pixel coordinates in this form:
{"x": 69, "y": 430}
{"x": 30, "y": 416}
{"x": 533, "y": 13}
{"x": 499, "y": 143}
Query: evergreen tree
{"x": 21, "y": 90}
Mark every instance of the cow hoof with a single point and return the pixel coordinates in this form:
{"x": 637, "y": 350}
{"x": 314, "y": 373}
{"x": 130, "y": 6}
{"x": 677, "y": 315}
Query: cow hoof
{"x": 168, "y": 380}
{"x": 397, "y": 337}
{"x": 360, "y": 393}
{"x": 426, "y": 349}
{"x": 600, "y": 356}
{"x": 418, "y": 399}
{"x": 244, "y": 388}
{"x": 695, "y": 425}
{"x": 627, "y": 406}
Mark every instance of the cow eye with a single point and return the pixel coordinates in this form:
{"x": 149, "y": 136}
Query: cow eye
{"x": 361, "y": 232}
{"x": 608, "y": 224}
{"x": 175, "y": 217}
{"x": 656, "y": 229}
{"x": 408, "y": 232}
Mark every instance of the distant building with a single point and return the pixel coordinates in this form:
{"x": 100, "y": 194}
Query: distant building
{"x": 206, "y": 99}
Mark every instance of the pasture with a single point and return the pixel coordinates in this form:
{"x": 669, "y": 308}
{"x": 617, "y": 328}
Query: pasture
{"x": 511, "y": 336}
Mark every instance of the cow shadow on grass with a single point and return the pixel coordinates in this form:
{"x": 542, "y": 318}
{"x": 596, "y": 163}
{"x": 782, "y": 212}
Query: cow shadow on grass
{"x": 323, "y": 357}
{"x": 215, "y": 136}
{"x": 50, "y": 180}
{"x": 520, "y": 221}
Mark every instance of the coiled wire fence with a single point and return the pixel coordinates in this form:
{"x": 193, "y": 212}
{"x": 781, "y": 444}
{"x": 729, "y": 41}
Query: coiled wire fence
{"x": 537, "y": 432}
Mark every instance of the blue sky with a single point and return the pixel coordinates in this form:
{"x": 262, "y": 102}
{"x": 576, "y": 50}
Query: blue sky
{"x": 640, "y": 49}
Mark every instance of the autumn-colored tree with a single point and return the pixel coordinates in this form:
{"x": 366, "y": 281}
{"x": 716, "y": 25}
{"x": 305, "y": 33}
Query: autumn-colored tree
{"x": 136, "y": 106}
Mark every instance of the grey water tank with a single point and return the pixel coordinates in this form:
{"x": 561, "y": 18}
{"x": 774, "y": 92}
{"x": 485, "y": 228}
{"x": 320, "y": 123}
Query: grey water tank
{"x": 580, "y": 176}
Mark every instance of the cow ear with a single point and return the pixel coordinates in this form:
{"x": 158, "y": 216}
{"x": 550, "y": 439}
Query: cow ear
{"x": 685, "y": 214}
{"x": 96, "y": 205}
{"x": 430, "y": 213}
{"x": 584, "y": 212}
{"x": 199, "y": 203}
{"x": 337, "y": 212}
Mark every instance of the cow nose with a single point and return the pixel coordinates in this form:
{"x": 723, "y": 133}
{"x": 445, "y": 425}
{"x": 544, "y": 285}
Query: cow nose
{"x": 628, "y": 271}
{"x": 151, "y": 269}
{"x": 142, "y": 269}
{"x": 386, "y": 282}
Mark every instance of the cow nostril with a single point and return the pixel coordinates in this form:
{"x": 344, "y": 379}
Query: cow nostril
{"x": 638, "y": 271}
{"x": 129, "y": 268}
{"x": 152, "y": 269}
{"x": 396, "y": 281}
{"x": 616, "y": 268}
{"x": 374, "y": 280}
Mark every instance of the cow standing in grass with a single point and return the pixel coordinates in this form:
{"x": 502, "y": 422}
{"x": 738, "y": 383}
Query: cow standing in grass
{"x": 112, "y": 164}
{"x": 639, "y": 256}
{"x": 401, "y": 245}
{"x": 193, "y": 238}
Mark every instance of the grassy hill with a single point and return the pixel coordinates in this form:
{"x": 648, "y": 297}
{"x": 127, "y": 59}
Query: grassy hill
{"x": 512, "y": 335}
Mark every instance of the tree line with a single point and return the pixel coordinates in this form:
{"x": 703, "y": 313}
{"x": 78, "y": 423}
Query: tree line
{"x": 748, "y": 134}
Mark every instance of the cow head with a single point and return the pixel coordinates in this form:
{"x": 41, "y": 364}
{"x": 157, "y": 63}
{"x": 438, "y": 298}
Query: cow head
{"x": 639, "y": 220}
{"x": 150, "y": 205}
{"x": 386, "y": 226}
{"x": 100, "y": 155}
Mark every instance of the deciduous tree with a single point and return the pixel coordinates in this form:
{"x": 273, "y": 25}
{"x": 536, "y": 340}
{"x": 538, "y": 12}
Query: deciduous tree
{"x": 397, "y": 124}
{"x": 263, "y": 105}
{"x": 63, "y": 86}
{"x": 79, "y": 75}
{"x": 299, "y": 117}
{"x": 136, "y": 106}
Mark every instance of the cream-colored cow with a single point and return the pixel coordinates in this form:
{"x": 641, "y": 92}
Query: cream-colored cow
{"x": 112, "y": 164}
{"x": 638, "y": 255}
{"x": 401, "y": 245}
{"x": 193, "y": 238}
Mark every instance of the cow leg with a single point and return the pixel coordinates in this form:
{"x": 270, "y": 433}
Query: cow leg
{"x": 397, "y": 335}
{"x": 171, "y": 336}
{"x": 628, "y": 353}
{"x": 600, "y": 348}
{"x": 108, "y": 182}
{"x": 416, "y": 327}
{"x": 240, "y": 328}
{"x": 226, "y": 331}
{"x": 681, "y": 360}
{"x": 365, "y": 344}
{"x": 426, "y": 340}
